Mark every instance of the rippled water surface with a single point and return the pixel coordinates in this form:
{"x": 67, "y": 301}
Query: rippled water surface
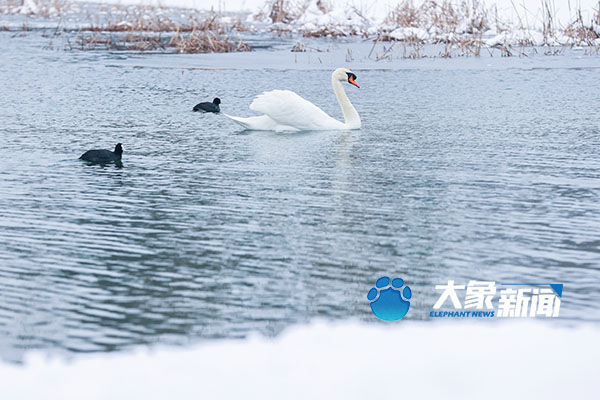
{"x": 464, "y": 169}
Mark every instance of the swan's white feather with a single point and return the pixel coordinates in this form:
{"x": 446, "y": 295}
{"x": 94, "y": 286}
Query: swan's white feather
{"x": 260, "y": 123}
{"x": 288, "y": 109}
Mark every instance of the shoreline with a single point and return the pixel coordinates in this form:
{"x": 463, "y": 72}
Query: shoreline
{"x": 407, "y": 31}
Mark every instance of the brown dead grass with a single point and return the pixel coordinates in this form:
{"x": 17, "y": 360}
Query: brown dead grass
{"x": 196, "y": 42}
{"x": 283, "y": 11}
{"x": 206, "y": 42}
{"x": 440, "y": 16}
{"x": 584, "y": 34}
{"x": 150, "y": 19}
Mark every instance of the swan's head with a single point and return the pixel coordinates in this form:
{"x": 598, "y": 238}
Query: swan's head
{"x": 344, "y": 74}
{"x": 216, "y": 101}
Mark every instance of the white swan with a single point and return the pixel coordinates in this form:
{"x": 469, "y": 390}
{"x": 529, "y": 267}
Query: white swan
{"x": 284, "y": 110}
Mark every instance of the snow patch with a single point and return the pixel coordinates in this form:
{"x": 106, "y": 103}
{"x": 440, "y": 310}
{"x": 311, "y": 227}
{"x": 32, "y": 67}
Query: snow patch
{"x": 346, "y": 360}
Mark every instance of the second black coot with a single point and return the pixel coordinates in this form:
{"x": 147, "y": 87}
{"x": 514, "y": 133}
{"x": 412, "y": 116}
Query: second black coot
{"x": 209, "y": 107}
{"x": 103, "y": 156}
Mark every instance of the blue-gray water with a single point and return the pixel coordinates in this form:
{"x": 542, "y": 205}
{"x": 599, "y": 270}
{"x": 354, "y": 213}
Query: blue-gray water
{"x": 464, "y": 169}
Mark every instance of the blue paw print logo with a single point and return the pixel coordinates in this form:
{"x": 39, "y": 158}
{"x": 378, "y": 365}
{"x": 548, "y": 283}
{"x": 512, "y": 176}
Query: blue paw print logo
{"x": 387, "y": 302}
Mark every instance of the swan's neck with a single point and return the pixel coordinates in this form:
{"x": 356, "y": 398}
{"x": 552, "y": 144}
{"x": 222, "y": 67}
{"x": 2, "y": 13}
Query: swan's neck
{"x": 351, "y": 118}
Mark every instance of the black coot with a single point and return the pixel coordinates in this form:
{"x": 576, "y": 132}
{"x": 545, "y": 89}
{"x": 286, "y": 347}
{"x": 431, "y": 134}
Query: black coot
{"x": 103, "y": 156}
{"x": 209, "y": 107}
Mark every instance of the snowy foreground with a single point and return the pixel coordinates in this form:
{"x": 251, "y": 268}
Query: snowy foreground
{"x": 349, "y": 360}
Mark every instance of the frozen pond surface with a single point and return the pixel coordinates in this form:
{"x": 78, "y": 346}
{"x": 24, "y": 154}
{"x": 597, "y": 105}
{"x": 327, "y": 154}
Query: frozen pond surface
{"x": 465, "y": 169}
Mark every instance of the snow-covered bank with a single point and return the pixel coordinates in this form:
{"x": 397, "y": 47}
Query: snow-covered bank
{"x": 464, "y": 28}
{"x": 529, "y": 12}
{"x": 530, "y": 20}
{"x": 491, "y": 22}
{"x": 465, "y": 360}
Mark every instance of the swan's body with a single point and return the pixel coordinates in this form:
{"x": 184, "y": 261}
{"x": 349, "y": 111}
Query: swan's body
{"x": 283, "y": 110}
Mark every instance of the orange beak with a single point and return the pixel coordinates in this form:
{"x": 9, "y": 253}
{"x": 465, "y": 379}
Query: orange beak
{"x": 352, "y": 81}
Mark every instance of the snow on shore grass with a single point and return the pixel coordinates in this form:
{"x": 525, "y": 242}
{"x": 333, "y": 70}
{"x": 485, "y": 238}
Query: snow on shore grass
{"x": 464, "y": 27}
{"x": 93, "y": 26}
{"x": 347, "y": 360}
{"x": 529, "y": 23}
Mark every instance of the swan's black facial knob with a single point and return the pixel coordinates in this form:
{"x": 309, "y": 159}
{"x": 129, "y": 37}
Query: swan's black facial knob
{"x": 352, "y": 79}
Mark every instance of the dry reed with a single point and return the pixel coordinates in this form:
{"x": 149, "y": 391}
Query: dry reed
{"x": 453, "y": 27}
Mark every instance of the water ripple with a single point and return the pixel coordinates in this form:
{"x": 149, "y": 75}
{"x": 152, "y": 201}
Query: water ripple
{"x": 208, "y": 232}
